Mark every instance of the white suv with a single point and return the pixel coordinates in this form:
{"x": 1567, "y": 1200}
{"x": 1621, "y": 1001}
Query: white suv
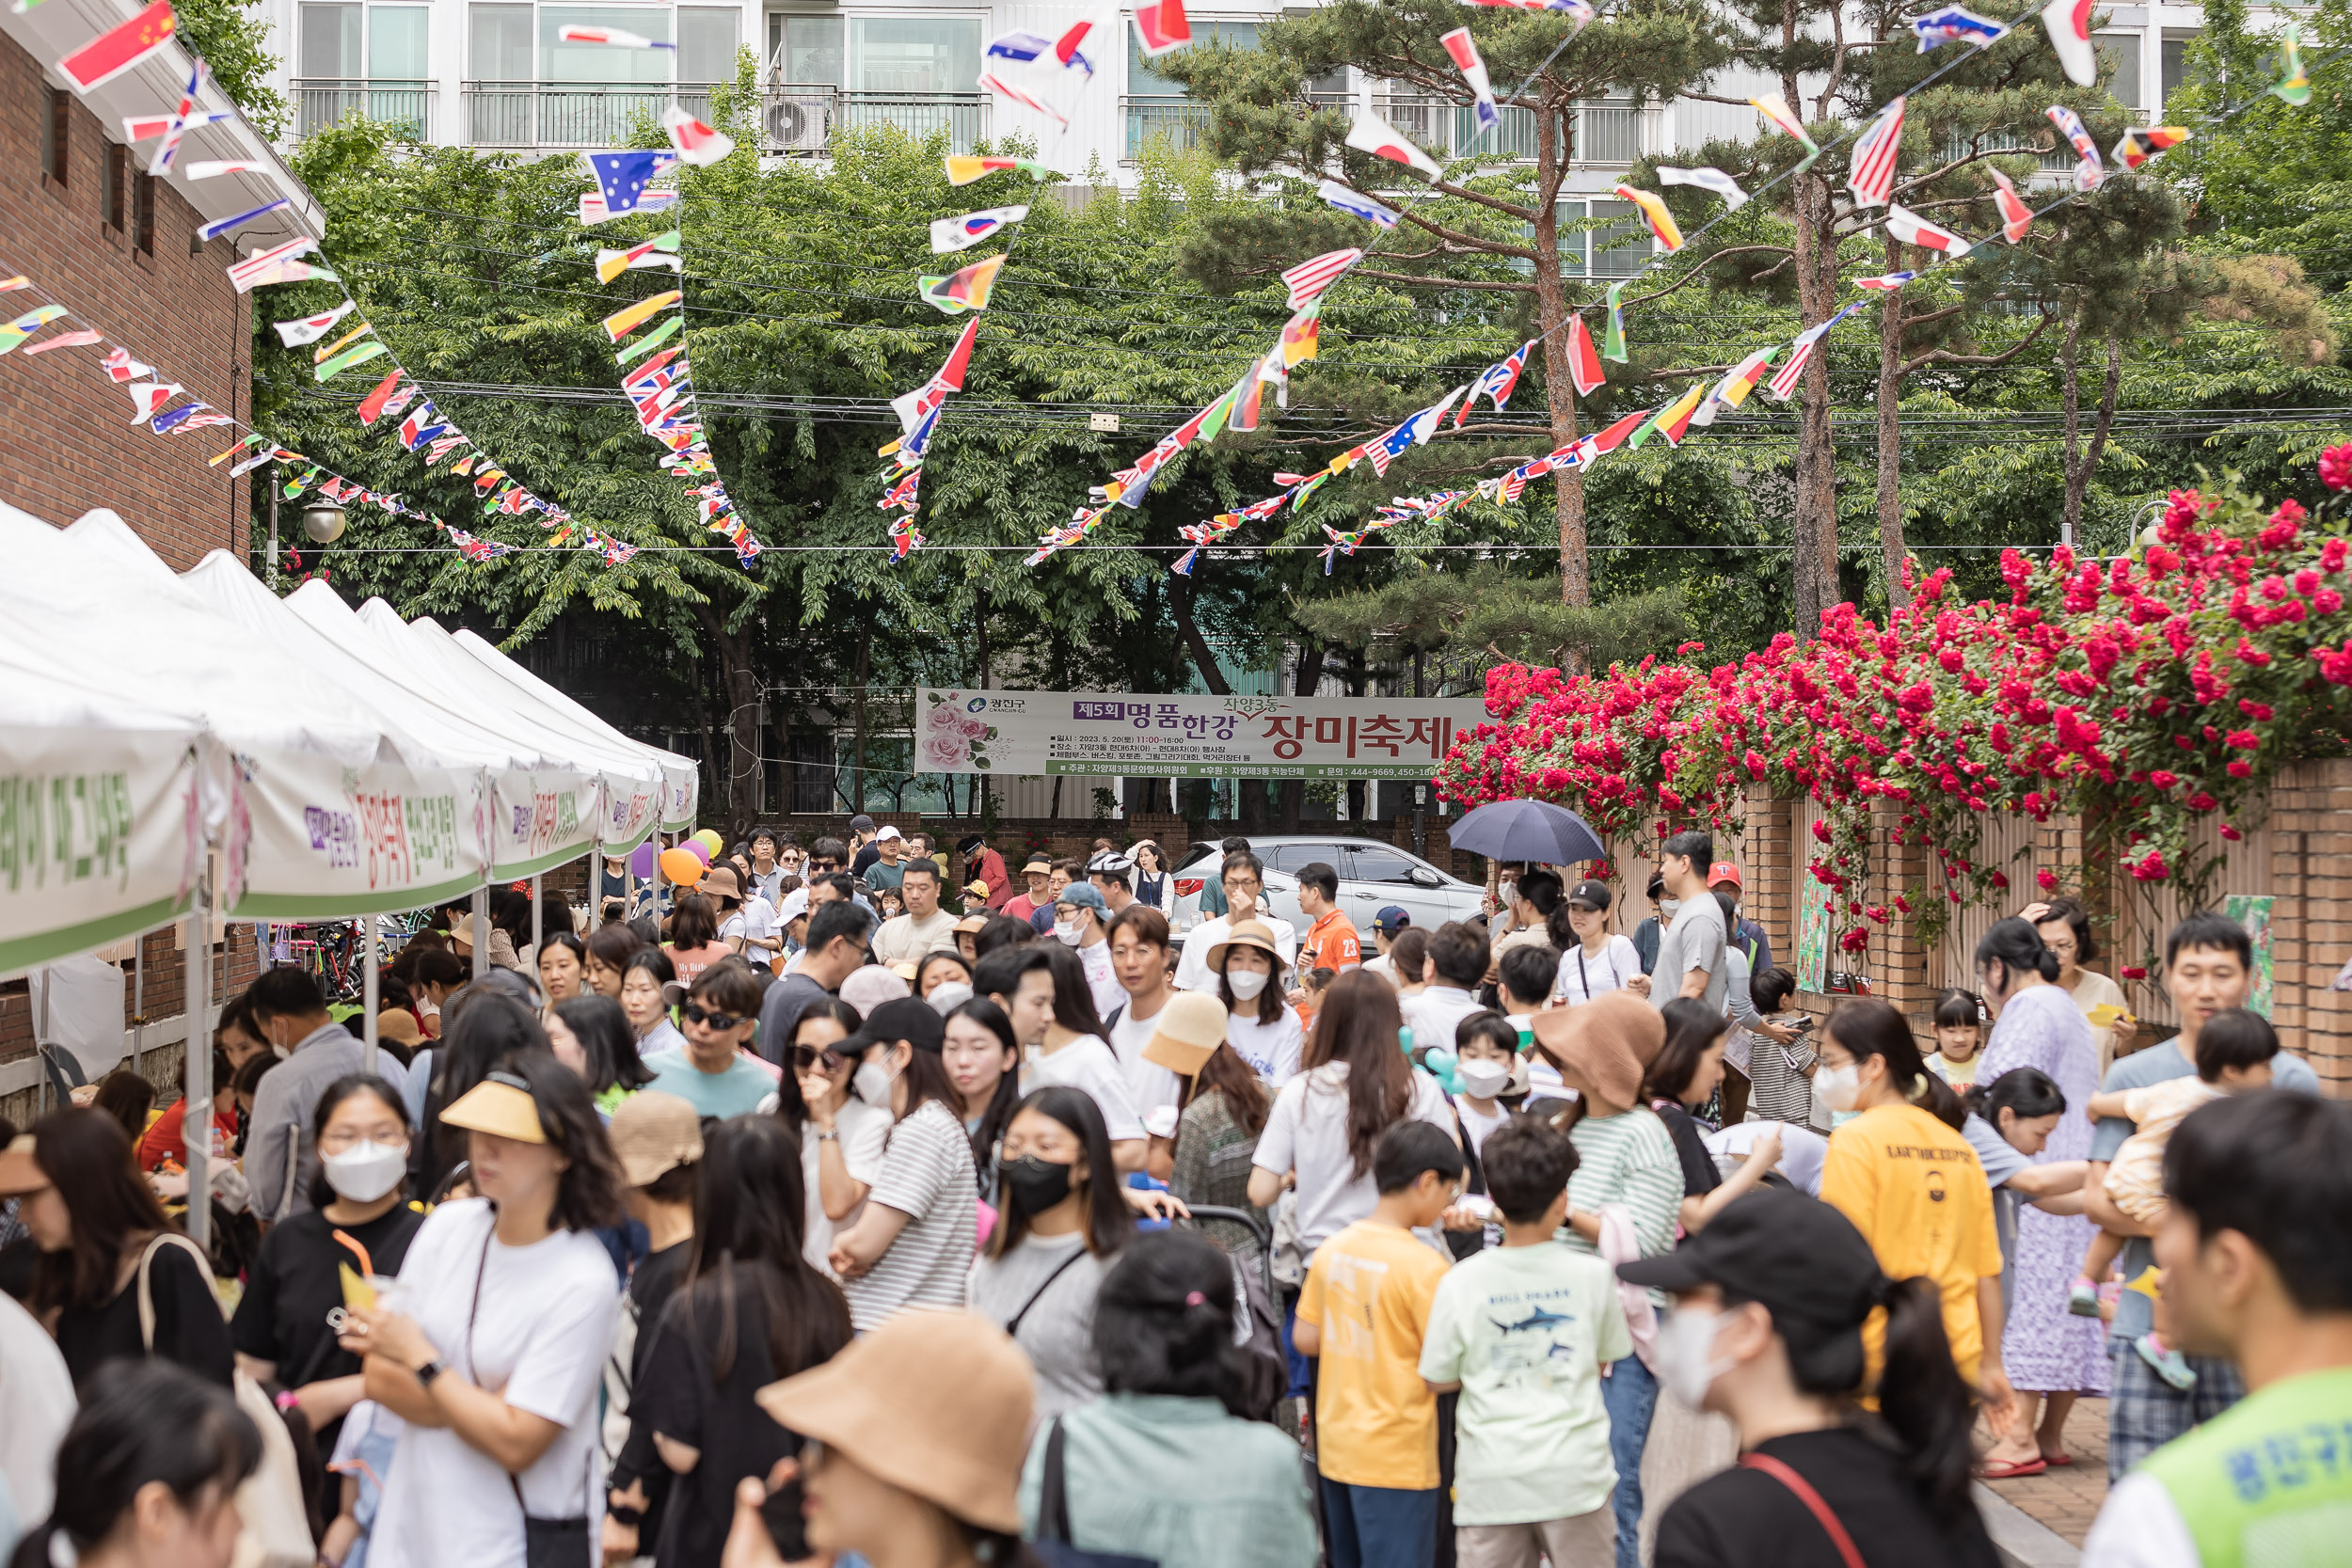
{"x": 1373, "y": 876}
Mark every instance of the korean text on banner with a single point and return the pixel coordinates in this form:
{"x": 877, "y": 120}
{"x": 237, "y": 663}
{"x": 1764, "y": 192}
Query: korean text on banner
{"x": 1186, "y": 737}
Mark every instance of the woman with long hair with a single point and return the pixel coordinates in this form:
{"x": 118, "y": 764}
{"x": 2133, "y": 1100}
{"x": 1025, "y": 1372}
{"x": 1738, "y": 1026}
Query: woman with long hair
{"x": 1682, "y": 1078}
{"x": 1354, "y": 1086}
{"x": 487, "y": 1030}
{"x": 983, "y": 1061}
{"x": 1408, "y": 960}
{"x": 1266, "y": 1033}
{"x": 1772, "y": 1304}
{"x": 841, "y": 1136}
{"x": 1151, "y": 876}
{"x": 1224, "y": 1111}
{"x": 590, "y": 1034}
{"x": 749, "y": 1310}
{"x": 1074, "y": 1052}
{"x": 1912, "y": 1184}
{"x": 491, "y": 1348}
{"x": 108, "y": 1254}
{"x": 646, "y": 976}
{"x": 147, "y": 1474}
{"x": 609, "y": 948}
{"x": 2051, "y": 1356}
{"x": 695, "y": 945}
{"x": 563, "y": 963}
{"x": 1063, "y": 1221}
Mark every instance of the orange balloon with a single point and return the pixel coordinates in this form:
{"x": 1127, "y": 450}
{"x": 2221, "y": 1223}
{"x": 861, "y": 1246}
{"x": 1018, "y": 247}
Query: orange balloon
{"x": 680, "y": 866}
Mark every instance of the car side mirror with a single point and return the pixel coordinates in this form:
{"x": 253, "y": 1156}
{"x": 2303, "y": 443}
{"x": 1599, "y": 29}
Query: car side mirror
{"x": 1423, "y": 877}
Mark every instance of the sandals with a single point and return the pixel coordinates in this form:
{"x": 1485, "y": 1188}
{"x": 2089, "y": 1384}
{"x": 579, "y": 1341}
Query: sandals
{"x": 2004, "y": 1470}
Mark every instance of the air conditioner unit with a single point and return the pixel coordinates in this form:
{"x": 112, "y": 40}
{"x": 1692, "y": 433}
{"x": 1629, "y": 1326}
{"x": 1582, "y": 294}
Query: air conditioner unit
{"x": 797, "y": 122}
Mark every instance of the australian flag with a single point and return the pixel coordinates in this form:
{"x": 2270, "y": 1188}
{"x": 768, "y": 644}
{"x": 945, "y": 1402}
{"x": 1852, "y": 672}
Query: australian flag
{"x": 624, "y": 176}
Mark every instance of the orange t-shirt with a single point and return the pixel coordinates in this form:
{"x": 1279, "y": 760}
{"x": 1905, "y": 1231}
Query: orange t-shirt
{"x": 1331, "y": 943}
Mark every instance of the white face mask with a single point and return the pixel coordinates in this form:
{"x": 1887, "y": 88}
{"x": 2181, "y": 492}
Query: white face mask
{"x": 1247, "y": 983}
{"x": 366, "y": 1171}
{"x": 1482, "y": 1079}
{"x": 873, "y": 1083}
{"x": 1687, "y": 1364}
{"x": 1840, "y": 1087}
{"x": 1670, "y": 907}
{"x": 1069, "y": 931}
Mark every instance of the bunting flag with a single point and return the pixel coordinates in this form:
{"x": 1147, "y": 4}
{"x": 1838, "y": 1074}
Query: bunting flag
{"x": 9, "y": 285}
{"x": 212, "y": 168}
{"x": 2069, "y": 25}
{"x": 1299, "y": 337}
{"x": 659, "y": 251}
{"x": 1911, "y": 229}
{"x": 1024, "y": 47}
{"x": 696, "y": 142}
{"x": 1371, "y": 133}
{"x": 1872, "y": 166}
{"x": 1496, "y": 383}
{"x": 149, "y": 396}
{"x": 2016, "y": 218}
{"x": 329, "y": 369}
{"x": 1160, "y": 27}
{"x": 1674, "y": 421}
{"x": 593, "y": 211}
{"x": 118, "y": 48}
{"x": 79, "y": 337}
{"x": 903, "y": 494}
{"x": 995, "y": 84}
{"x": 953, "y": 235}
{"x": 1308, "y": 279}
{"x": 1425, "y": 424}
{"x": 247, "y": 445}
{"x": 375, "y": 406}
{"x": 1738, "y": 382}
{"x": 472, "y": 548}
{"x": 193, "y": 415}
{"x": 2089, "y": 170}
{"x": 256, "y": 461}
{"x": 119, "y": 365}
{"x": 168, "y": 148}
{"x": 1610, "y": 439}
{"x": 1957, "y": 25}
{"x": 1576, "y": 10}
{"x": 278, "y": 264}
{"x": 967, "y": 290}
{"x": 1801, "y": 351}
{"x": 1885, "y": 282}
{"x": 962, "y": 171}
{"x": 1714, "y": 180}
{"x": 629, "y": 318}
{"x": 1068, "y": 49}
{"x": 27, "y": 324}
{"x": 1772, "y": 106}
{"x": 905, "y": 539}
{"x": 652, "y": 340}
{"x": 322, "y": 356}
{"x": 622, "y": 178}
{"x": 2139, "y": 143}
{"x": 1464, "y": 49}
{"x": 1613, "y": 341}
{"x": 2292, "y": 87}
{"x": 218, "y": 227}
{"x": 139, "y": 128}
{"x": 1661, "y": 222}
{"x": 1584, "y": 364}
{"x": 1355, "y": 205}
{"x": 573, "y": 32}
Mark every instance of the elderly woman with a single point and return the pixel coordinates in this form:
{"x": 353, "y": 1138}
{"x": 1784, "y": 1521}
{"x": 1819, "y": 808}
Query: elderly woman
{"x": 2050, "y": 1354}
{"x": 2065, "y": 929}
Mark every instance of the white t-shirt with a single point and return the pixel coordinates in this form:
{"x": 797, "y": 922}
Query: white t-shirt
{"x": 1801, "y": 1150}
{"x": 545, "y": 1318}
{"x": 2140, "y": 1527}
{"x": 1087, "y": 1062}
{"x": 1434, "y": 1013}
{"x": 904, "y": 940}
{"x": 926, "y": 1175}
{"x": 36, "y": 1404}
{"x": 1149, "y": 1085}
{"x": 1102, "y": 981}
{"x": 1270, "y": 1048}
{"x": 862, "y": 1129}
{"x": 1475, "y": 1127}
{"x": 1192, "y": 969}
{"x": 1307, "y": 1132}
{"x": 1582, "y": 976}
{"x": 758, "y": 920}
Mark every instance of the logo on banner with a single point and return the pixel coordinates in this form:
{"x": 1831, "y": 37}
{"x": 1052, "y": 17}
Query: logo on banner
{"x": 333, "y": 833}
{"x": 76, "y": 824}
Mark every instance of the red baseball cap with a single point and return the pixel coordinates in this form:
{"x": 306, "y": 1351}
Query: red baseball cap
{"x": 1724, "y": 871}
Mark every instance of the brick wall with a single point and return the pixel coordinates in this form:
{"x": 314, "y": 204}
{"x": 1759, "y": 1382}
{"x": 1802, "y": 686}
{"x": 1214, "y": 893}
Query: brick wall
{"x": 67, "y": 443}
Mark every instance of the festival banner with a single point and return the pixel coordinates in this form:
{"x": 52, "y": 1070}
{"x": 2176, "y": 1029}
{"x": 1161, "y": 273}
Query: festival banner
{"x": 94, "y": 830}
{"x": 1033, "y": 733}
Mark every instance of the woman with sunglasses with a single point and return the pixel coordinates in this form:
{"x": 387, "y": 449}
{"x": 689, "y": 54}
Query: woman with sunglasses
{"x": 714, "y": 1071}
{"x": 841, "y": 1135}
{"x": 490, "y": 1347}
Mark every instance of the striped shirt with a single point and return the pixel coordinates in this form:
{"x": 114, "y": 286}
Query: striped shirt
{"x": 1628, "y": 1159}
{"x": 926, "y": 1175}
{"x": 1778, "y": 1090}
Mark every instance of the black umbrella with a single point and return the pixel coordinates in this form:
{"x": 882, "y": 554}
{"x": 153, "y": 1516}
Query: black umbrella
{"x": 1527, "y": 831}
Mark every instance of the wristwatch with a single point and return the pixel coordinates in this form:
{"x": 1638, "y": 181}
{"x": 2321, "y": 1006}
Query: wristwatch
{"x": 426, "y": 1373}
{"x": 829, "y": 1135}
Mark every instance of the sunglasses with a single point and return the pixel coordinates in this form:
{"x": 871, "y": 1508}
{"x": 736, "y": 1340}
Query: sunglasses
{"x": 806, "y": 1057}
{"x": 695, "y": 1014}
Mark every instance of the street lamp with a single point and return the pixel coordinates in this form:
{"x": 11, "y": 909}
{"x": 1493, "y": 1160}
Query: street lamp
{"x": 323, "y": 522}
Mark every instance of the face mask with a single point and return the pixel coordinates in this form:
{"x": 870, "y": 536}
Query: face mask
{"x": 1482, "y": 1080}
{"x": 1033, "y": 1185}
{"x": 365, "y": 1171}
{"x": 1670, "y": 907}
{"x": 1247, "y": 983}
{"x": 1069, "y": 931}
{"x": 1840, "y": 1087}
{"x": 1687, "y": 1364}
{"x": 873, "y": 1083}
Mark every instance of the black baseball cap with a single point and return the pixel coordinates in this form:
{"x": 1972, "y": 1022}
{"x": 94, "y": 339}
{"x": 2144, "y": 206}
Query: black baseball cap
{"x": 1799, "y": 1257}
{"x": 1590, "y": 894}
{"x": 902, "y": 1018}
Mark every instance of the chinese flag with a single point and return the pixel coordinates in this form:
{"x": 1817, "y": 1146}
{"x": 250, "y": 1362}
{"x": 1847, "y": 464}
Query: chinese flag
{"x": 111, "y": 54}
{"x": 372, "y": 406}
{"x": 1162, "y": 25}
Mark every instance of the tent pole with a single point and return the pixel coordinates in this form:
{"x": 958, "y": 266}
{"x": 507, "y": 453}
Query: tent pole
{"x": 369, "y": 992}
{"x": 138, "y": 1001}
{"x": 481, "y": 932}
{"x": 538, "y": 924}
{"x": 196, "y": 968}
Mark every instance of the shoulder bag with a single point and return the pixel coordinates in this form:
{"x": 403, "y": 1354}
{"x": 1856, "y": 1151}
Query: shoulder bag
{"x": 546, "y": 1543}
{"x": 1052, "y": 1545}
{"x": 1815, "y": 1504}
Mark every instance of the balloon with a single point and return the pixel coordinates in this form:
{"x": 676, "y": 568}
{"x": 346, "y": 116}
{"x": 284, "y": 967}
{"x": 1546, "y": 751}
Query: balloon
{"x": 681, "y": 867}
{"x": 700, "y": 850}
{"x": 640, "y": 859}
{"x": 709, "y": 839}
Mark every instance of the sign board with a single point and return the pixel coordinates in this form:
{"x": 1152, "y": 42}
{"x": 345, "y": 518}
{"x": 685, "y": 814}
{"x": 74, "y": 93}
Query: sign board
{"x": 1107, "y": 423}
{"x": 1188, "y": 737}
{"x": 2253, "y": 911}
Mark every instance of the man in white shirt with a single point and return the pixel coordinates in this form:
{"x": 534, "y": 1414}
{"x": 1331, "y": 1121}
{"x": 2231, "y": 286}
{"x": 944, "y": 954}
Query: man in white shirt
{"x": 767, "y": 876}
{"x": 904, "y": 939}
{"x": 1458, "y": 956}
{"x": 1078, "y": 922}
{"x": 1243, "y": 878}
{"x": 1138, "y": 950}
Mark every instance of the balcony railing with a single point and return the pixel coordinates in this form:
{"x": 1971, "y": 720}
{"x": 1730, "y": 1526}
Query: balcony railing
{"x": 802, "y": 116}
{"x": 572, "y": 113}
{"x": 407, "y": 106}
{"x": 1178, "y": 122}
{"x": 1604, "y": 133}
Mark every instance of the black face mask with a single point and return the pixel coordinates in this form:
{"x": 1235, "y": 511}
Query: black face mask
{"x": 1033, "y": 1185}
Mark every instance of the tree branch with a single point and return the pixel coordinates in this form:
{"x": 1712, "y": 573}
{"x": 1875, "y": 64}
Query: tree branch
{"x": 1782, "y": 251}
{"x": 1417, "y": 281}
{"x": 1944, "y": 357}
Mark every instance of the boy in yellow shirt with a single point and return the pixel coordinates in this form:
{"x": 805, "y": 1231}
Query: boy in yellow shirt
{"x": 1364, "y": 1312}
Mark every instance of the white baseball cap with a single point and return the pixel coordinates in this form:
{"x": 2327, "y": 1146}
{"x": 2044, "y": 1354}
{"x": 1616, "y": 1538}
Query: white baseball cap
{"x": 888, "y": 832}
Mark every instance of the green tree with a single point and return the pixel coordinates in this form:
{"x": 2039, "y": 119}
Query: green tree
{"x": 233, "y": 36}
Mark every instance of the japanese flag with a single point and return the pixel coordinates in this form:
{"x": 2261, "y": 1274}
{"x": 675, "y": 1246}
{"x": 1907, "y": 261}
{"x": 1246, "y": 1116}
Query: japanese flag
{"x": 1371, "y": 133}
{"x": 697, "y": 143}
{"x": 1911, "y": 229}
{"x": 1162, "y": 25}
{"x": 2069, "y": 25}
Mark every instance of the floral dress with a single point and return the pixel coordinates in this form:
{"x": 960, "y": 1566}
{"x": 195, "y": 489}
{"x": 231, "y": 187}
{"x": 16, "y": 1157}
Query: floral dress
{"x": 2045, "y": 1350}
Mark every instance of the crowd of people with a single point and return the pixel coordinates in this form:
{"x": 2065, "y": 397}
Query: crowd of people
{"x": 824, "y": 1207}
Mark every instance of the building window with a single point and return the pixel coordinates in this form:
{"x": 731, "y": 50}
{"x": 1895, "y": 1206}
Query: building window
{"x": 597, "y": 62}
{"x": 1160, "y": 110}
{"x": 143, "y": 212}
{"x": 877, "y": 54}
{"x": 2121, "y": 52}
{"x": 56, "y": 135}
{"x": 500, "y": 49}
{"x": 397, "y": 41}
{"x": 2174, "y": 59}
{"x": 330, "y": 43}
{"x": 1601, "y": 238}
{"x": 808, "y": 50}
{"x": 116, "y": 170}
{"x": 707, "y": 41}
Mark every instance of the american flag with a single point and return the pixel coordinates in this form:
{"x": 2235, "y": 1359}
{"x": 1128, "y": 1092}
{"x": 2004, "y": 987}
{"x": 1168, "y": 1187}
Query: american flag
{"x": 1872, "y": 181}
{"x": 119, "y": 365}
{"x": 1308, "y": 279}
{"x": 1784, "y": 381}
{"x": 265, "y": 265}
